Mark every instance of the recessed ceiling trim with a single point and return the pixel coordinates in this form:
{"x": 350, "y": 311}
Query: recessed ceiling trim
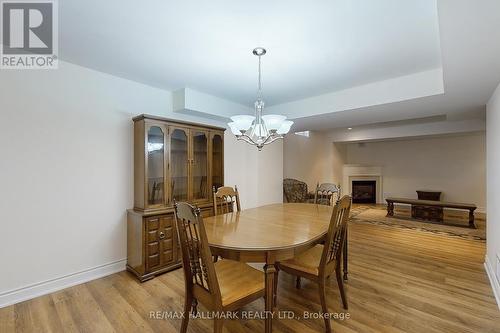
{"x": 385, "y": 132}
{"x": 193, "y": 102}
{"x": 423, "y": 84}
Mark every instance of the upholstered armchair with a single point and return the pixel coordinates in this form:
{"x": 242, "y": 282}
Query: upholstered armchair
{"x": 294, "y": 190}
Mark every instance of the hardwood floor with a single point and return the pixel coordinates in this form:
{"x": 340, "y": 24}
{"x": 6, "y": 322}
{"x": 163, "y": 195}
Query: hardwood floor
{"x": 400, "y": 281}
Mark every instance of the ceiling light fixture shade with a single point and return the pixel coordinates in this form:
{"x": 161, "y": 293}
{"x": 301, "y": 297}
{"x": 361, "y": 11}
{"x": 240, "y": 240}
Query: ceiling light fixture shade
{"x": 285, "y": 127}
{"x": 243, "y": 122}
{"x": 273, "y": 121}
{"x": 234, "y": 129}
{"x": 260, "y": 130}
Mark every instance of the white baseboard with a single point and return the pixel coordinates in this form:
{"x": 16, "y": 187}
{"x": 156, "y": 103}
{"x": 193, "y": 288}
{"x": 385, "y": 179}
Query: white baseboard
{"x": 495, "y": 284}
{"x": 46, "y": 287}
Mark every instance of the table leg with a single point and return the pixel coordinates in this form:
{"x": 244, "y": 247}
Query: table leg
{"x": 276, "y": 278}
{"x": 345, "y": 254}
{"x": 269, "y": 270}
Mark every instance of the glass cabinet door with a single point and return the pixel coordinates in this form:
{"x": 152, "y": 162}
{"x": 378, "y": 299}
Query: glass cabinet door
{"x": 179, "y": 164}
{"x": 217, "y": 161}
{"x": 199, "y": 167}
{"x": 156, "y": 166}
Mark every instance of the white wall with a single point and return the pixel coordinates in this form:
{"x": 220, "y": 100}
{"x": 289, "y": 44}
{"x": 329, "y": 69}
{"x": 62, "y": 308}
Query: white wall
{"x": 455, "y": 165}
{"x": 66, "y": 172}
{"x": 493, "y": 176}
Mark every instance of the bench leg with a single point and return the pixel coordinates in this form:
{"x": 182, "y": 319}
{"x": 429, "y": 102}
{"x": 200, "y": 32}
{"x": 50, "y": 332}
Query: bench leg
{"x": 390, "y": 209}
{"x": 471, "y": 219}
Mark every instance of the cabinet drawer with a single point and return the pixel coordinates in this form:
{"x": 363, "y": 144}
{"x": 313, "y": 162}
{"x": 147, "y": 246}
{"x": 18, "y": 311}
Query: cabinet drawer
{"x": 168, "y": 233}
{"x": 168, "y": 256}
{"x": 153, "y": 261}
{"x": 153, "y": 248}
{"x": 153, "y": 223}
{"x": 152, "y": 236}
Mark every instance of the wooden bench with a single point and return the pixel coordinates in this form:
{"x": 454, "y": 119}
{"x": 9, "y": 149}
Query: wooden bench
{"x": 429, "y": 204}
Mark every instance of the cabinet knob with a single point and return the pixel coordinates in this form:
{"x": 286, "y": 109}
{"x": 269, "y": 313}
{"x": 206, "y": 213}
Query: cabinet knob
{"x": 162, "y": 235}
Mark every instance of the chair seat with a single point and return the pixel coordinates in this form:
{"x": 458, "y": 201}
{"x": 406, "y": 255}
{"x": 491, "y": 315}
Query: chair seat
{"x": 237, "y": 281}
{"x": 307, "y": 261}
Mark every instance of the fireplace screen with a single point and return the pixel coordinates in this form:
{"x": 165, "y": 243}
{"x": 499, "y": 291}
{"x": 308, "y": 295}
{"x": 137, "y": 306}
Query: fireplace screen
{"x": 364, "y": 191}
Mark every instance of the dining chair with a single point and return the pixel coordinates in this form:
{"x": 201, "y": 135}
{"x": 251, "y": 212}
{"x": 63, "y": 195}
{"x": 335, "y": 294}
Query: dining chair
{"x": 319, "y": 262}
{"x": 225, "y": 197}
{"x": 221, "y": 287}
{"x": 324, "y": 194}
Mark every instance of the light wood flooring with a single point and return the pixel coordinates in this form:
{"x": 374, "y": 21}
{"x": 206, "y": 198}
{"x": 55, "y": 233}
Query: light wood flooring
{"x": 400, "y": 281}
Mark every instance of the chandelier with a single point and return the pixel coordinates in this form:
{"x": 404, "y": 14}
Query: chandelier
{"x": 260, "y": 130}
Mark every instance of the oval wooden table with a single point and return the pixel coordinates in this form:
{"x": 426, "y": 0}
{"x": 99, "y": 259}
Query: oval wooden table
{"x": 268, "y": 234}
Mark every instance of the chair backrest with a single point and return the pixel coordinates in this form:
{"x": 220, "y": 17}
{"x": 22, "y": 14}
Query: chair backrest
{"x": 225, "y": 198}
{"x": 294, "y": 190}
{"x": 197, "y": 262}
{"x": 325, "y": 194}
{"x": 337, "y": 233}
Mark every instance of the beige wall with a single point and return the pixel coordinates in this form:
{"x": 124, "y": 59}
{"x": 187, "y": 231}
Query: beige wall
{"x": 312, "y": 159}
{"x": 339, "y": 158}
{"x": 493, "y": 221}
{"x": 258, "y": 174}
{"x": 455, "y": 165}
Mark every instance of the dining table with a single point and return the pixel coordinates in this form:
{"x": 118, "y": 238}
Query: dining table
{"x": 269, "y": 234}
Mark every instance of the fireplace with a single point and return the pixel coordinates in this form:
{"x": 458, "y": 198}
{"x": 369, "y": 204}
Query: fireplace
{"x": 364, "y": 191}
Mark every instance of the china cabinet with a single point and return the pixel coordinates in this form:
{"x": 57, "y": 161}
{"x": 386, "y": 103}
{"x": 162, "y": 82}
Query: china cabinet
{"x": 173, "y": 160}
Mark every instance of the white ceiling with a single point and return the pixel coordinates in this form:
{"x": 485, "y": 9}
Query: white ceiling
{"x": 314, "y": 48}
